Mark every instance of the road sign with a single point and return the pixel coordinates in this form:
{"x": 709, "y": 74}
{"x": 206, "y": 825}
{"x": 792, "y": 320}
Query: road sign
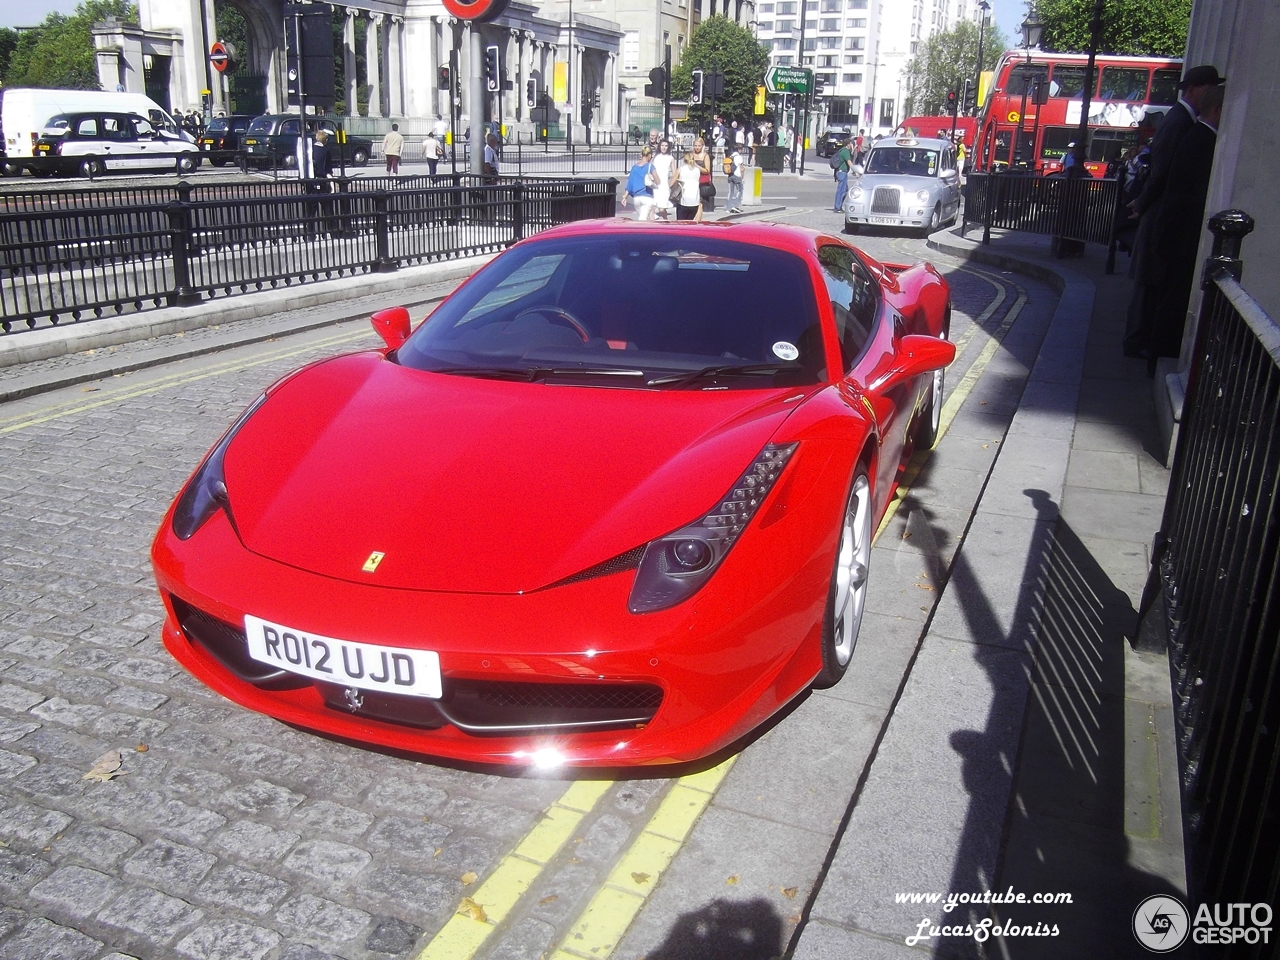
{"x": 787, "y": 80}
{"x": 219, "y": 57}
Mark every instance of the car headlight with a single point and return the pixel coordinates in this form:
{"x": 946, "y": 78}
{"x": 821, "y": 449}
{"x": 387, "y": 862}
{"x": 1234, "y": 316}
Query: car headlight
{"x": 676, "y": 566}
{"x": 922, "y": 195}
{"x": 206, "y": 493}
{"x": 855, "y": 193}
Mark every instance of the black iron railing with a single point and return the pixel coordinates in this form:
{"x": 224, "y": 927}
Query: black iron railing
{"x": 63, "y": 260}
{"x": 1082, "y": 209}
{"x": 1214, "y": 592}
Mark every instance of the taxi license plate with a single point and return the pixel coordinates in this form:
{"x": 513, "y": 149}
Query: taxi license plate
{"x": 251, "y": 143}
{"x": 367, "y": 666}
{"x": 889, "y": 220}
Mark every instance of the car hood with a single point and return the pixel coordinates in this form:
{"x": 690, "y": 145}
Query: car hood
{"x": 480, "y": 486}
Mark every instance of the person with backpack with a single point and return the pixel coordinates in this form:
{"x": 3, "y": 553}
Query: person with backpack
{"x": 638, "y": 189}
{"x": 841, "y": 163}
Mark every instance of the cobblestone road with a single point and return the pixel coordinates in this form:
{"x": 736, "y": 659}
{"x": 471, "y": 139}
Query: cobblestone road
{"x": 226, "y": 835}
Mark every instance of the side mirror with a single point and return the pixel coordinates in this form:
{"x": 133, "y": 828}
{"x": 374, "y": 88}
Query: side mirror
{"x": 857, "y": 170}
{"x": 916, "y": 355}
{"x": 392, "y": 325}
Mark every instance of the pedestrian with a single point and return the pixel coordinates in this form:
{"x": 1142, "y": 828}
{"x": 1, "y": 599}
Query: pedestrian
{"x": 321, "y": 168}
{"x": 663, "y": 176}
{"x": 689, "y": 197}
{"x": 1144, "y": 266}
{"x": 433, "y": 152}
{"x": 653, "y": 142}
{"x": 706, "y": 183}
{"x": 438, "y": 127}
{"x": 490, "y": 167}
{"x": 842, "y": 162}
{"x": 392, "y": 148}
{"x": 733, "y": 169}
{"x": 960, "y": 158}
{"x": 321, "y": 155}
{"x": 1181, "y": 223}
{"x": 639, "y": 190}
{"x": 717, "y": 133}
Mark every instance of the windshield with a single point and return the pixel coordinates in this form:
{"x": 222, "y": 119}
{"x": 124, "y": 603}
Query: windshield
{"x": 260, "y": 125}
{"x": 218, "y": 123}
{"x": 641, "y": 309}
{"x": 57, "y": 126}
{"x": 903, "y": 161}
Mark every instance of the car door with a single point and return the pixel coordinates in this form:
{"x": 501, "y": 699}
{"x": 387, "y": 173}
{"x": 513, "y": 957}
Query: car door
{"x": 951, "y": 182}
{"x": 153, "y": 149}
{"x": 120, "y": 146}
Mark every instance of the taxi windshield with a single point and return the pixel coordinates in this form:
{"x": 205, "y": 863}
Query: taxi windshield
{"x": 260, "y": 125}
{"x": 903, "y": 161}
{"x": 632, "y": 309}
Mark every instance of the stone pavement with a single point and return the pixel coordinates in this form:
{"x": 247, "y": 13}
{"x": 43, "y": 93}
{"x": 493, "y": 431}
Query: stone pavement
{"x": 1031, "y": 747}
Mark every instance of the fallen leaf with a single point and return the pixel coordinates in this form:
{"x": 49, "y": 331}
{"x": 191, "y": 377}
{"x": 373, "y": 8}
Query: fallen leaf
{"x": 106, "y": 767}
{"x": 468, "y": 878}
{"x": 141, "y": 748}
{"x": 574, "y": 860}
{"x": 89, "y": 389}
{"x": 639, "y": 877}
{"x": 907, "y": 535}
{"x": 437, "y": 853}
{"x": 924, "y": 586}
{"x": 473, "y": 910}
{"x": 985, "y": 445}
{"x": 982, "y": 403}
{"x": 789, "y": 892}
{"x": 551, "y": 899}
{"x": 732, "y": 881}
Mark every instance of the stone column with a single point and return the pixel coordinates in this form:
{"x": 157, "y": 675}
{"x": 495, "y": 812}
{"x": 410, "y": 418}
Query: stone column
{"x": 432, "y": 103}
{"x": 468, "y": 116}
{"x": 349, "y": 62}
{"x": 609, "y": 96}
{"x": 510, "y": 67}
{"x": 395, "y": 66}
{"x": 373, "y": 66}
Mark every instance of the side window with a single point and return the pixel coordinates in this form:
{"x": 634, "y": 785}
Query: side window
{"x": 87, "y": 128}
{"x": 143, "y": 127}
{"x": 854, "y": 300}
{"x": 117, "y": 128}
{"x": 289, "y": 128}
{"x": 239, "y": 126}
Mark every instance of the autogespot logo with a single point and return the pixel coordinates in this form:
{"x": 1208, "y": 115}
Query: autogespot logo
{"x": 1161, "y": 923}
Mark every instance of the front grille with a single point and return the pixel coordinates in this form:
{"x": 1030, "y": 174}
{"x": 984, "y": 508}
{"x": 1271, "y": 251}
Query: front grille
{"x": 227, "y": 643}
{"x": 886, "y": 200}
{"x": 483, "y": 706}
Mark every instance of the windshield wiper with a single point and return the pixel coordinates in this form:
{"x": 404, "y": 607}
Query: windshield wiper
{"x": 722, "y": 370}
{"x": 531, "y": 374}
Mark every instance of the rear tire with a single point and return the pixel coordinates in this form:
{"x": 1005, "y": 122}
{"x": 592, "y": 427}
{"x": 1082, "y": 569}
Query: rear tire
{"x": 847, "y": 598}
{"x": 360, "y": 157}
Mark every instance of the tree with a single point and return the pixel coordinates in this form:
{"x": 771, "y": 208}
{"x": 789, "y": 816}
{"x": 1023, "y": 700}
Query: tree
{"x": 1133, "y": 27}
{"x": 59, "y": 54}
{"x": 945, "y": 61}
{"x": 720, "y": 44}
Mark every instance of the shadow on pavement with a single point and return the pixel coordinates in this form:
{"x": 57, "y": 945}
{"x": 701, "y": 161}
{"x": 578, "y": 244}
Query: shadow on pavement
{"x": 725, "y": 930}
{"x": 1068, "y": 826}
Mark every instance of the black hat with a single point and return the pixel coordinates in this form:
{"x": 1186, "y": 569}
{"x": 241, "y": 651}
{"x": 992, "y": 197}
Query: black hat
{"x": 1201, "y": 76}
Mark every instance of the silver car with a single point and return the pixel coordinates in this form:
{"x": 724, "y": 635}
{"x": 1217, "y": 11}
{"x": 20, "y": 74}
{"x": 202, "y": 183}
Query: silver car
{"x": 904, "y": 182}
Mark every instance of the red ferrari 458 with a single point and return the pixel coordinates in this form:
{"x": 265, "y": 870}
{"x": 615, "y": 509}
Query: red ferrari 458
{"x": 611, "y": 503}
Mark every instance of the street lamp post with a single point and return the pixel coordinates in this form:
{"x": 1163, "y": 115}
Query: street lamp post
{"x": 1031, "y": 31}
{"x": 985, "y": 7}
{"x": 568, "y": 130}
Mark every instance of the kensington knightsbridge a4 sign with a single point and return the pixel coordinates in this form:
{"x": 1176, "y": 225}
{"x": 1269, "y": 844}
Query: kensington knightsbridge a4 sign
{"x": 787, "y": 79}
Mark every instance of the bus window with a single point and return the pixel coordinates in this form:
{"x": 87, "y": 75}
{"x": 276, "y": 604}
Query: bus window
{"x": 1106, "y": 145}
{"x": 1067, "y": 81}
{"x": 1124, "y": 83}
{"x": 1054, "y": 145}
{"x": 1164, "y": 88}
{"x": 1022, "y": 77}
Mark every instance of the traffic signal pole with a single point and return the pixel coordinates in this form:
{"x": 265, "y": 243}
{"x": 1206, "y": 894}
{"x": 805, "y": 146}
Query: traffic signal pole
{"x": 666, "y": 95}
{"x": 478, "y": 100}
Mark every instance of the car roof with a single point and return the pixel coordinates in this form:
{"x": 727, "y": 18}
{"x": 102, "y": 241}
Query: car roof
{"x": 929, "y": 143}
{"x": 780, "y": 236}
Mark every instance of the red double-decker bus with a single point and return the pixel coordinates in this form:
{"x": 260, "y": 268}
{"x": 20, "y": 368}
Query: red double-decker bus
{"x": 1130, "y": 96}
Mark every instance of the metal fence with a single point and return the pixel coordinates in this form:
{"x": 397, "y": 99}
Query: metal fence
{"x": 1214, "y": 592}
{"x": 62, "y": 260}
{"x": 1083, "y": 209}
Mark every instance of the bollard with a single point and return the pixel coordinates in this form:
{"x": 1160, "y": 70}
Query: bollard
{"x": 183, "y": 295}
{"x": 752, "y": 186}
{"x": 1229, "y": 228}
{"x": 381, "y": 225}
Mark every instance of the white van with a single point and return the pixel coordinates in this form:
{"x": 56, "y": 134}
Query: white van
{"x": 24, "y": 113}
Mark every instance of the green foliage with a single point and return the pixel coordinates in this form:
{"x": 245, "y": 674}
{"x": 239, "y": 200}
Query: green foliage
{"x": 58, "y": 54}
{"x": 1134, "y": 27}
{"x": 945, "y": 61}
{"x": 719, "y": 43}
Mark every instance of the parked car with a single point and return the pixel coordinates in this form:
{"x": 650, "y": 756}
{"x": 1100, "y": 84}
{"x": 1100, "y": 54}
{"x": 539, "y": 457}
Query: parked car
{"x": 904, "y": 182}
{"x": 272, "y": 141}
{"x": 833, "y": 139}
{"x": 95, "y": 143}
{"x": 221, "y": 139}
{"x": 575, "y": 517}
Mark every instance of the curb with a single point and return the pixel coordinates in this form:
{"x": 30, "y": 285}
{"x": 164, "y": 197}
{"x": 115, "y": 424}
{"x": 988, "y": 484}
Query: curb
{"x": 50, "y": 342}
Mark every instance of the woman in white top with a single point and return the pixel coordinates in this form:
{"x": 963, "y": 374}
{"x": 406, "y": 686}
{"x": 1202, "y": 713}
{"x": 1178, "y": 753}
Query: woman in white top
{"x": 689, "y": 201}
{"x": 663, "y": 178}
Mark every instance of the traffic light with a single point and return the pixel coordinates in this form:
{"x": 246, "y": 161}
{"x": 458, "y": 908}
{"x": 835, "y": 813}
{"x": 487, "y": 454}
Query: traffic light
{"x": 657, "y": 85}
{"x": 443, "y": 81}
{"x": 531, "y": 91}
{"x": 595, "y": 100}
{"x": 951, "y": 102}
{"x": 695, "y": 91}
{"x": 819, "y": 85}
{"x": 492, "y": 78}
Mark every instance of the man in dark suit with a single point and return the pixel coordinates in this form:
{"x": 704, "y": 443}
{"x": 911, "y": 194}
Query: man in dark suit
{"x": 1144, "y": 266}
{"x": 1177, "y": 234}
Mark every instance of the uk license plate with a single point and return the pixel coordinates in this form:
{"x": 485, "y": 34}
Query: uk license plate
{"x": 251, "y": 143}
{"x": 367, "y": 666}
{"x": 889, "y": 220}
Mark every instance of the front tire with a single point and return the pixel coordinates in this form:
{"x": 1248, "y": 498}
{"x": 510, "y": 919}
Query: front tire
{"x": 935, "y": 220}
{"x": 847, "y": 598}
{"x": 931, "y": 415}
{"x": 187, "y": 163}
{"x": 360, "y": 157}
